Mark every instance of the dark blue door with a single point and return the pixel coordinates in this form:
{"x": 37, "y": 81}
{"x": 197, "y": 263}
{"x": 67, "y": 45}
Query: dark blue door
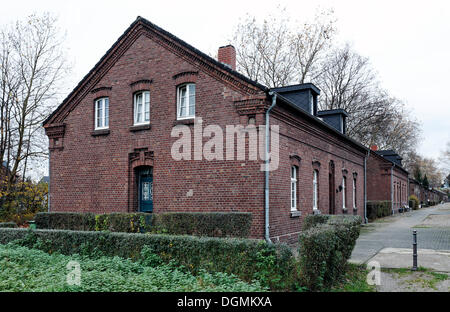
{"x": 146, "y": 194}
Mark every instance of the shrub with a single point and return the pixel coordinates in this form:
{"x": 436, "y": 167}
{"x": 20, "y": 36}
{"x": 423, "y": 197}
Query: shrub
{"x": 246, "y": 258}
{"x": 378, "y": 209}
{"x": 214, "y": 224}
{"x": 325, "y": 248}
{"x": 8, "y": 225}
{"x": 413, "y": 202}
{"x": 313, "y": 220}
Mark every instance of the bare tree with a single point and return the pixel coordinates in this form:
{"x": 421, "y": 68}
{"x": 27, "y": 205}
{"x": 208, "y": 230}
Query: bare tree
{"x": 276, "y": 54}
{"x": 310, "y": 44}
{"x": 445, "y": 158}
{"x": 263, "y": 51}
{"x": 33, "y": 65}
{"x": 349, "y": 82}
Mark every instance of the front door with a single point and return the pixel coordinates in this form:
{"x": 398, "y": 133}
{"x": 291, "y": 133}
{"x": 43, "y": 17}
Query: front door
{"x": 146, "y": 193}
{"x": 331, "y": 191}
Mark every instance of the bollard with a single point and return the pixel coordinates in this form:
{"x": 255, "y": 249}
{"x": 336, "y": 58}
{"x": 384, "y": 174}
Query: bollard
{"x": 414, "y": 267}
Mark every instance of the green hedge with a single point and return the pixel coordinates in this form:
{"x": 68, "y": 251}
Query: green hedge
{"x": 413, "y": 202}
{"x": 249, "y": 259}
{"x": 8, "y": 225}
{"x": 378, "y": 209}
{"x": 325, "y": 248}
{"x": 213, "y": 224}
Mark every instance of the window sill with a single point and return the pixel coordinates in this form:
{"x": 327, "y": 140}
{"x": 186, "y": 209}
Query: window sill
{"x": 100, "y": 132}
{"x": 187, "y": 121}
{"x": 140, "y": 127}
{"x": 296, "y": 214}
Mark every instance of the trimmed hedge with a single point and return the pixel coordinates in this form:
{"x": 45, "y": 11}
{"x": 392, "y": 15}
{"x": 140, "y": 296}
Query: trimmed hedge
{"x": 8, "y": 225}
{"x": 249, "y": 259}
{"x": 213, "y": 224}
{"x": 378, "y": 209}
{"x": 325, "y": 247}
{"x": 413, "y": 202}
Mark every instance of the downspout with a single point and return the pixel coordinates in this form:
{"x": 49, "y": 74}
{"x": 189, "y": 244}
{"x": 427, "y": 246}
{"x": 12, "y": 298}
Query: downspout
{"x": 266, "y": 182}
{"x": 49, "y": 179}
{"x": 392, "y": 189}
{"x": 365, "y": 187}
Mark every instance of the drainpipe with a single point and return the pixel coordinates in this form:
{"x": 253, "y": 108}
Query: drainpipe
{"x": 392, "y": 189}
{"x": 49, "y": 179}
{"x": 365, "y": 187}
{"x": 266, "y": 182}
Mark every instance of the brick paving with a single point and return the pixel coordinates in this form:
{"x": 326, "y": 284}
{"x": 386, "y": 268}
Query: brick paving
{"x": 396, "y": 232}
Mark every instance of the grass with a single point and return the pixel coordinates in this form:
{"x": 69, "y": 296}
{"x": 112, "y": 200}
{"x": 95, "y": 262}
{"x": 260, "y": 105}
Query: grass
{"x": 427, "y": 278}
{"x": 25, "y": 269}
{"x": 355, "y": 280}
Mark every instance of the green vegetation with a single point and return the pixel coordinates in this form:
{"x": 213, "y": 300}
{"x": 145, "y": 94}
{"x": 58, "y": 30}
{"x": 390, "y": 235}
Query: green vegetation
{"x": 25, "y": 269}
{"x": 378, "y": 209}
{"x": 212, "y": 224}
{"x": 354, "y": 280}
{"x": 414, "y": 202}
{"x": 248, "y": 259}
{"x": 427, "y": 279}
{"x": 325, "y": 247}
{"x": 21, "y": 201}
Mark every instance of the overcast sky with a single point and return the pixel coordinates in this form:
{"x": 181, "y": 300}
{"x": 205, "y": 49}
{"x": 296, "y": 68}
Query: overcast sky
{"x": 406, "y": 41}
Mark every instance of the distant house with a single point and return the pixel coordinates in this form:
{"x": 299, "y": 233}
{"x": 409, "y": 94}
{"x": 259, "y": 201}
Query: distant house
{"x": 387, "y": 180}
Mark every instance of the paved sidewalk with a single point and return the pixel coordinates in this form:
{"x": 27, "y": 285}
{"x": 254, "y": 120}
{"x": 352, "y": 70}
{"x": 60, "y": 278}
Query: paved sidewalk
{"x": 396, "y": 232}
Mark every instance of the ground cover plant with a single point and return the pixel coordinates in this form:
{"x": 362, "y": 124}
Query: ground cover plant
{"x": 27, "y": 269}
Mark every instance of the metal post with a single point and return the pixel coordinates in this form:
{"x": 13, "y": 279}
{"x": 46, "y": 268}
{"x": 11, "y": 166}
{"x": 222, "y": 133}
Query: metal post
{"x": 414, "y": 268}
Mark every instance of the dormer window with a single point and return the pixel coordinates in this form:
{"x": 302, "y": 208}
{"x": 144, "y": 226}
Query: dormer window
{"x": 186, "y": 101}
{"x": 102, "y": 113}
{"x": 142, "y": 107}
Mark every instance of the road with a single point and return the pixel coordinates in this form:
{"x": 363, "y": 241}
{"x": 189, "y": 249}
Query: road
{"x": 432, "y": 225}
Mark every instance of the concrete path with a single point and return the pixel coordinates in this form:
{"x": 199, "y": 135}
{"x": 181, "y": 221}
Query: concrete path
{"x": 433, "y": 234}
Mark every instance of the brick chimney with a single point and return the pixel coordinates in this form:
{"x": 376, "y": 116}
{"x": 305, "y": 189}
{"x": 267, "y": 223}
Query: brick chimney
{"x": 374, "y": 148}
{"x": 227, "y": 56}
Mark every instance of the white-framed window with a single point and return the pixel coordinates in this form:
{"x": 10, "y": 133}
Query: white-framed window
{"x": 354, "y": 192}
{"x": 186, "y": 101}
{"x": 142, "y": 107}
{"x": 102, "y": 113}
{"x": 315, "y": 189}
{"x": 344, "y": 192}
{"x": 293, "y": 188}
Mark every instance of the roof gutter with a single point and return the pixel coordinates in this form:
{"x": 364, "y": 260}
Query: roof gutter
{"x": 267, "y": 172}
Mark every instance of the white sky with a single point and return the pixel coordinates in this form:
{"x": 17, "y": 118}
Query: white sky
{"x": 406, "y": 41}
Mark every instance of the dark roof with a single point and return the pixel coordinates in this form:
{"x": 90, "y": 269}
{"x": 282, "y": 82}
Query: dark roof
{"x": 297, "y": 87}
{"x": 178, "y": 40}
{"x": 392, "y": 157}
{"x": 388, "y": 153}
{"x": 332, "y": 112}
{"x": 320, "y": 122}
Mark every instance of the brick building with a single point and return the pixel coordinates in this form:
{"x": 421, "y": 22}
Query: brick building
{"x": 387, "y": 180}
{"x": 111, "y": 140}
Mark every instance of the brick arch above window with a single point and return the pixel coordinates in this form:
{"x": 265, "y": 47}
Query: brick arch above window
{"x": 141, "y": 85}
{"x": 295, "y": 160}
{"x": 316, "y": 165}
{"x": 185, "y": 77}
{"x": 101, "y": 92}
